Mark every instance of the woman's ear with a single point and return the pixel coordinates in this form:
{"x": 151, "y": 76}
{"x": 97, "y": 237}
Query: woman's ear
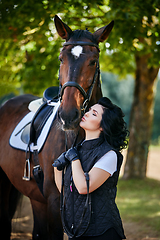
{"x": 101, "y": 129}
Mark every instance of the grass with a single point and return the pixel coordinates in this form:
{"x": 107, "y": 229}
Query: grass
{"x": 139, "y": 201}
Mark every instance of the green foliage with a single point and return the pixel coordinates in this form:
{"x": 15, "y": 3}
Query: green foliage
{"x": 29, "y": 43}
{"x": 138, "y": 201}
{"x": 30, "y": 46}
{"x": 136, "y": 32}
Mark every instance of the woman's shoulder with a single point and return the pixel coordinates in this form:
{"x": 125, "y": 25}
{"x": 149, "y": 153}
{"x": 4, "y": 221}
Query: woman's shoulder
{"x": 110, "y": 156}
{"x": 108, "y": 162}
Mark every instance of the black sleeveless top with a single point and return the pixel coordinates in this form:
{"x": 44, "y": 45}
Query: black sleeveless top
{"x": 104, "y": 212}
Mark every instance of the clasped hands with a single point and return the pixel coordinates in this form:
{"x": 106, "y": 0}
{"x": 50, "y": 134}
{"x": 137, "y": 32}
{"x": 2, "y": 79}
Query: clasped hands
{"x": 66, "y": 158}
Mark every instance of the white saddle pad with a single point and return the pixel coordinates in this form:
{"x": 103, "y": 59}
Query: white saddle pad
{"x": 15, "y": 138}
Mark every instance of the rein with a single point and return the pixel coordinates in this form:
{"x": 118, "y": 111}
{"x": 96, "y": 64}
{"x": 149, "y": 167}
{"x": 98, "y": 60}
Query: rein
{"x": 69, "y": 232}
{"x": 87, "y": 95}
{"x": 62, "y": 209}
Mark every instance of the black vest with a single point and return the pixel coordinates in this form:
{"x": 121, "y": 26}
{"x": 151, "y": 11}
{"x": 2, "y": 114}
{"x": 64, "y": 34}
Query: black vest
{"x": 104, "y": 213}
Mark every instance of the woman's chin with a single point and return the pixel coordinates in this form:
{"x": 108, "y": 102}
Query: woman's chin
{"x": 81, "y": 124}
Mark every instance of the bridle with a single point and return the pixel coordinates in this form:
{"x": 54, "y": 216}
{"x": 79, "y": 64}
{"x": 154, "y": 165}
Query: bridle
{"x": 87, "y": 95}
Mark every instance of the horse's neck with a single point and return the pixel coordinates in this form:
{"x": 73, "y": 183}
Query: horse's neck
{"x": 73, "y": 137}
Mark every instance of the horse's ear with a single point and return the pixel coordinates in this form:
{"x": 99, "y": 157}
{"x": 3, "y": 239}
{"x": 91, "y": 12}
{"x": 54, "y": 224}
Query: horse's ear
{"x": 102, "y": 33}
{"x": 63, "y": 30}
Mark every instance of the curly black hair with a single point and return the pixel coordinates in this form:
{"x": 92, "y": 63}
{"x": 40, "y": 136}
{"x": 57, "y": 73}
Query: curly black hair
{"x": 114, "y": 127}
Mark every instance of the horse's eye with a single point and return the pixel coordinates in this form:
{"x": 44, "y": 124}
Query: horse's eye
{"x": 60, "y": 59}
{"x": 92, "y": 63}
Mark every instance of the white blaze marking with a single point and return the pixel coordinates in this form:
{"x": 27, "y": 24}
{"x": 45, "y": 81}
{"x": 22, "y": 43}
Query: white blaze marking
{"x": 77, "y": 51}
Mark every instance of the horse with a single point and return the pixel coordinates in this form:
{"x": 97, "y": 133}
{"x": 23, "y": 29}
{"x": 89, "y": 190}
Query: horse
{"x": 79, "y": 89}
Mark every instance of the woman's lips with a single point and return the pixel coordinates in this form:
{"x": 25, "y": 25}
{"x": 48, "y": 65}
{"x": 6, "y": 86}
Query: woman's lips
{"x": 83, "y": 119}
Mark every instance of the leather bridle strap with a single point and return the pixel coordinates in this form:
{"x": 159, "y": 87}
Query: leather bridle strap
{"x": 73, "y": 84}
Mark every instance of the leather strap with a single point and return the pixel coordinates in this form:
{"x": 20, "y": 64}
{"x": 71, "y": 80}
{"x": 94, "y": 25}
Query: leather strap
{"x": 73, "y": 84}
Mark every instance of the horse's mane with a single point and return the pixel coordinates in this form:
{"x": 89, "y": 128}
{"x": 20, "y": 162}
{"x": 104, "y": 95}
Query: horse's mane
{"x": 78, "y": 34}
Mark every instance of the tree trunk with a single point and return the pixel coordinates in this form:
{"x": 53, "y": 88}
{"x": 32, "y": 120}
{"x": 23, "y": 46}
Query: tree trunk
{"x": 141, "y": 119}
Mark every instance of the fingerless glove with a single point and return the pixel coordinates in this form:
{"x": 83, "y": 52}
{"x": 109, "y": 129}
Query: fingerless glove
{"x": 60, "y": 162}
{"x": 72, "y": 154}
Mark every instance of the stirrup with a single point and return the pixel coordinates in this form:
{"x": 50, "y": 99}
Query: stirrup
{"x": 27, "y": 170}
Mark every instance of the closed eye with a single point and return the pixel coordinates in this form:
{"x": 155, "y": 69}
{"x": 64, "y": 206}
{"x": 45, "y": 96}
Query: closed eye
{"x": 94, "y": 112}
{"x": 92, "y": 63}
{"x": 60, "y": 59}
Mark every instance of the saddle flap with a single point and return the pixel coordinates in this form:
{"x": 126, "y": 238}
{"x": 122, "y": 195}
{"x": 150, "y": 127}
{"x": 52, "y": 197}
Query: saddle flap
{"x": 39, "y": 121}
{"x": 26, "y": 133}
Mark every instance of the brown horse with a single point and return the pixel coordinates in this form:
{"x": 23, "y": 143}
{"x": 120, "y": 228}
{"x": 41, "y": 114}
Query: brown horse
{"x": 80, "y": 88}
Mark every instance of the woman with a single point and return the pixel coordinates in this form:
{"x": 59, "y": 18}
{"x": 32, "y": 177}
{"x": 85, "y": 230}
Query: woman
{"x": 91, "y": 175}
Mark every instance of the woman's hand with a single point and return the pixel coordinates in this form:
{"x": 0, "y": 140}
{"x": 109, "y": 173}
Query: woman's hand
{"x": 72, "y": 154}
{"x": 65, "y": 158}
{"x": 60, "y": 162}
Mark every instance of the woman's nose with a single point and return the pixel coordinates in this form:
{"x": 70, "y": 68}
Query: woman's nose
{"x": 86, "y": 114}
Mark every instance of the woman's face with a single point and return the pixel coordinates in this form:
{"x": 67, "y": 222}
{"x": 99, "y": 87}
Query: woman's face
{"x": 92, "y": 119}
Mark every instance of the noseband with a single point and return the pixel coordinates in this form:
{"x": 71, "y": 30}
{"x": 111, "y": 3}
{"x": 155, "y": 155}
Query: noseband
{"x": 87, "y": 95}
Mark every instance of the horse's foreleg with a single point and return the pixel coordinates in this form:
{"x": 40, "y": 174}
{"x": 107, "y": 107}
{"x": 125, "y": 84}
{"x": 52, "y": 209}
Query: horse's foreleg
{"x": 40, "y": 220}
{"x": 54, "y": 219}
{"x": 9, "y": 197}
{"x": 47, "y": 221}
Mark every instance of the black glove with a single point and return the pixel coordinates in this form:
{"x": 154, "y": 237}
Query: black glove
{"x": 60, "y": 162}
{"x": 72, "y": 154}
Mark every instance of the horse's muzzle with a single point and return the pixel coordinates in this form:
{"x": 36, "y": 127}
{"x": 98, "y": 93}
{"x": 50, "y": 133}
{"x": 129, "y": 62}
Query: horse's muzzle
{"x": 69, "y": 121}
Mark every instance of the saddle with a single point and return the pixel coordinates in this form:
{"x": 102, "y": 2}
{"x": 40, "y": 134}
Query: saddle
{"x": 43, "y": 109}
{"x": 32, "y": 131}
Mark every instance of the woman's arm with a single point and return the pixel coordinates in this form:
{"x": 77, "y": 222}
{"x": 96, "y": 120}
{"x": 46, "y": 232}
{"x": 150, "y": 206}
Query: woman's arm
{"x": 97, "y": 177}
{"x": 58, "y": 178}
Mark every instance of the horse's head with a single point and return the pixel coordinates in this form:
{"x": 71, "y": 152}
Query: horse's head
{"x": 79, "y": 71}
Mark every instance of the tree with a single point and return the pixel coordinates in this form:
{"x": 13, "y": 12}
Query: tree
{"x": 137, "y": 28}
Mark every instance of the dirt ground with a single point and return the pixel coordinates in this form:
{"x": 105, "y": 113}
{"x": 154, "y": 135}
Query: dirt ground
{"x": 22, "y": 223}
